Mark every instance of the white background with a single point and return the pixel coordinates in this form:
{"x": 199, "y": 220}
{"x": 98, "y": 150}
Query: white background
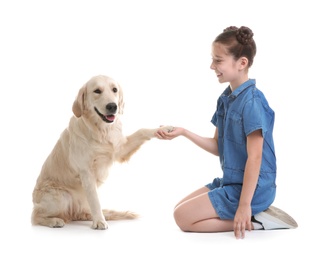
{"x": 160, "y": 52}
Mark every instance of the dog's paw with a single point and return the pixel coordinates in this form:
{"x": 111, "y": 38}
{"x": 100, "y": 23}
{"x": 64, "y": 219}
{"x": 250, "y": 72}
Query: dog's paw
{"x": 167, "y": 128}
{"x": 59, "y": 223}
{"x": 53, "y": 222}
{"x": 100, "y": 225}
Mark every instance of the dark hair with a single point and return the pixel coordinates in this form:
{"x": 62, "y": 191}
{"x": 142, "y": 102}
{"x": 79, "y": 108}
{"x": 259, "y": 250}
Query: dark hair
{"x": 239, "y": 42}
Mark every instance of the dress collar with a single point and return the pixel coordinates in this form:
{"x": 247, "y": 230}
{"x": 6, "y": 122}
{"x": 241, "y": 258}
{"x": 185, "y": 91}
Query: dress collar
{"x": 240, "y": 89}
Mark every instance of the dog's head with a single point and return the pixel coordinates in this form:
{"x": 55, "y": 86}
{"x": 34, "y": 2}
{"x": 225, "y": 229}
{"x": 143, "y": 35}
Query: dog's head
{"x": 100, "y": 97}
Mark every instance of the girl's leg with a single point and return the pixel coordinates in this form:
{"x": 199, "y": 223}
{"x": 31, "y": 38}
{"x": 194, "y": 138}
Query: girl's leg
{"x": 193, "y": 194}
{"x": 195, "y": 213}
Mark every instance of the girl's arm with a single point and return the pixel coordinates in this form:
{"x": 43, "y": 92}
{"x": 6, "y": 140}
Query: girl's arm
{"x": 207, "y": 143}
{"x": 242, "y": 219}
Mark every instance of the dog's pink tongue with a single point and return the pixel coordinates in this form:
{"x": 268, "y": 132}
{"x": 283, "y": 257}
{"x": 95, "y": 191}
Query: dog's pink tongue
{"x": 110, "y": 117}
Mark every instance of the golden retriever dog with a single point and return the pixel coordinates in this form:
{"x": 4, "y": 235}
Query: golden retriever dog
{"x": 66, "y": 189}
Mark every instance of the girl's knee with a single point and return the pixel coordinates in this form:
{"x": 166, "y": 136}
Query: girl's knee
{"x": 181, "y": 221}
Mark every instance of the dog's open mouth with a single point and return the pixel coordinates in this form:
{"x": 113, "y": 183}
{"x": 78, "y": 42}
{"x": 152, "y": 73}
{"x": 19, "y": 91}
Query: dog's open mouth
{"x": 106, "y": 118}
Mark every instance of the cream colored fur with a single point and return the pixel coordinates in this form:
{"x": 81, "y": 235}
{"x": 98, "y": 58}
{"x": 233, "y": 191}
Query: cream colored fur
{"x": 66, "y": 189}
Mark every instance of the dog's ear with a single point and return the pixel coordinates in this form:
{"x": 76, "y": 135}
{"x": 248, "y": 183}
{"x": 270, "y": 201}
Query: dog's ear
{"x": 121, "y": 100}
{"x": 79, "y": 103}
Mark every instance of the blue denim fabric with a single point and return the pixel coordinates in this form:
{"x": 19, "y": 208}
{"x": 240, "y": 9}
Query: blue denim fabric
{"x": 238, "y": 114}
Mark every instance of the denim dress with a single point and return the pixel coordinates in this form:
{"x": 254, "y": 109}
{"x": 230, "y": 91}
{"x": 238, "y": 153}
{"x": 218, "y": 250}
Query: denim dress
{"x": 238, "y": 114}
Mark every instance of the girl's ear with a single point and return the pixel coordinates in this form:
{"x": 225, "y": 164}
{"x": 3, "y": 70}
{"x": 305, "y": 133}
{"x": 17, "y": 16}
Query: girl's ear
{"x": 243, "y": 63}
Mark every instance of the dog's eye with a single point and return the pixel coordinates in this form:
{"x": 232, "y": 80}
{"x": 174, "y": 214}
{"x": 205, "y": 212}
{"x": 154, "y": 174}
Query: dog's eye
{"x": 97, "y": 91}
{"x": 114, "y": 90}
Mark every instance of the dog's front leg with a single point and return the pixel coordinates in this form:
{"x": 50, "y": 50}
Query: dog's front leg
{"x": 90, "y": 187}
{"x": 135, "y": 140}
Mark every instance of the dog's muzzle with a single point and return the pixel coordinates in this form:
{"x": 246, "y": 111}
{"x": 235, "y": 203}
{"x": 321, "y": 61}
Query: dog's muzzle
{"x": 109, "y": 117}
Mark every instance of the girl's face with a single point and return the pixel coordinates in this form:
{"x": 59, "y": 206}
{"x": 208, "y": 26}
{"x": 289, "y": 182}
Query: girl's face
{"x": 226, "y": 67}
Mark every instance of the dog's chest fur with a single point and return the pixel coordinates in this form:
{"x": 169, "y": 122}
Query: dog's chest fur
{"x": 103, "y": 146}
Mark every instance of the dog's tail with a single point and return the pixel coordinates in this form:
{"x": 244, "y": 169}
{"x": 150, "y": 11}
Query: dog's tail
{"x": 118, "y": 215}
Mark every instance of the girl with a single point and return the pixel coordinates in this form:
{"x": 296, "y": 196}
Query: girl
{"x": 240, "y": 200}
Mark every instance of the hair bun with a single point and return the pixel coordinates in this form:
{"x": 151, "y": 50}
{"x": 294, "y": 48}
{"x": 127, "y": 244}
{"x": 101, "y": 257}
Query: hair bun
{"x": 231, "y": 28}
{"x": 244, "y": 35}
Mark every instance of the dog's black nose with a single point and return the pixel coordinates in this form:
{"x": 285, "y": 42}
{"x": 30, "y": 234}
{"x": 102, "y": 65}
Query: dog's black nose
{"x": 111, "y": 107}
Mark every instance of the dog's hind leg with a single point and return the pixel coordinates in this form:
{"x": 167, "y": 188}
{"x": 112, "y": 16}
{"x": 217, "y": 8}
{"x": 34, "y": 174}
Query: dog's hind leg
{"x": 52, "y": 208}
{"x": 38, "y": 218}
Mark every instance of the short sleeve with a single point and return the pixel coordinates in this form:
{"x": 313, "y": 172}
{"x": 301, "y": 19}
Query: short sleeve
{"x": 219, "y": 109}
{"x": 214, "y": 119}
{"x": 254, "y": 116}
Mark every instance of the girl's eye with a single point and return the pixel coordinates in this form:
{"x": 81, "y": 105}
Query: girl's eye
{"x": 114, "y": 90}
{"x": 97, "y": 91}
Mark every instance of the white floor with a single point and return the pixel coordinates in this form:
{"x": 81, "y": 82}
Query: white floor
{"x": 150, "y": 190}
{"x": 153, "y": 237}
{"x": 160, "y": 52}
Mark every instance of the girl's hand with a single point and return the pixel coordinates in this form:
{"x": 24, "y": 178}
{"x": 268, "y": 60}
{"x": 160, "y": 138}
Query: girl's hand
{"x": 169, "y": 135}
{"x": 242, "y": 221}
